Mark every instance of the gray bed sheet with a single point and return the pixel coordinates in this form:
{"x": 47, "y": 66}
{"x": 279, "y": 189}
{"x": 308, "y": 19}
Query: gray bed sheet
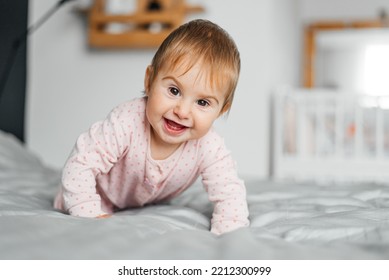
{"x": 288, "y": 221}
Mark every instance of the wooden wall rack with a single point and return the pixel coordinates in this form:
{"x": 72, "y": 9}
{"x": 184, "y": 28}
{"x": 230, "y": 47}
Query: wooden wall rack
{"x": 310, "y": 33}
{"x": 168, "y": 17}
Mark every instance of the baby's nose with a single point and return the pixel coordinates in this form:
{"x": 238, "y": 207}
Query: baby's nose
{"x": 182, "y": 109}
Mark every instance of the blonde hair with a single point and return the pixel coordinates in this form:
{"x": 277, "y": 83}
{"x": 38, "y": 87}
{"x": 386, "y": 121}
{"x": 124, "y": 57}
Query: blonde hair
{"x": 201, "y": 41}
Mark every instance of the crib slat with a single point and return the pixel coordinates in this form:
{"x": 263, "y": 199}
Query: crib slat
{"x": 301, "y": 128}
{"x": 339, "y": 126}
{"x": 358, "y": 129}
{"x": 319, "y": 113}
{"x": 322, "y": 136}
{"x": 379, "y": 130}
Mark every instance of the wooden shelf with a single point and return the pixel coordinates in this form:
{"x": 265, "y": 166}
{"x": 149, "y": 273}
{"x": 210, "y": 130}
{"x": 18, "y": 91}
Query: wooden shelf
{"x": 146, "y": 29}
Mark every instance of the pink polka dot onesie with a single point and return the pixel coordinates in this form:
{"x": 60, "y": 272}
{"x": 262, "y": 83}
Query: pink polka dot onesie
{"x": 111, "y": 168}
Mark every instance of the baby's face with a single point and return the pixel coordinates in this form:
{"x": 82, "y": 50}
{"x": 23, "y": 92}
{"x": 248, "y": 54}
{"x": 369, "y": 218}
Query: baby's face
{"x": 182, "y": 107}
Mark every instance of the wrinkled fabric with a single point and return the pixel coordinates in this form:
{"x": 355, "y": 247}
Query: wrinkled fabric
{"x": 288, "y": 221}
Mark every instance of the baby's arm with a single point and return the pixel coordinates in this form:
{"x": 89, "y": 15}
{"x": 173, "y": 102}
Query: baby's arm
{"x": 95, "y": 152}
{"x": 226, "y": 191}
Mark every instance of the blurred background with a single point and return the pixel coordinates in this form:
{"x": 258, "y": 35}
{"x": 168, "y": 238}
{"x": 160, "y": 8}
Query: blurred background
{"x": 70, "y": 84}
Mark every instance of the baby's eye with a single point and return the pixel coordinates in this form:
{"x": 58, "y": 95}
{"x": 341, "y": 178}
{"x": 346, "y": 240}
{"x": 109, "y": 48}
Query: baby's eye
{"x": 203, "y": 103}
{"x": 174, "y": 91}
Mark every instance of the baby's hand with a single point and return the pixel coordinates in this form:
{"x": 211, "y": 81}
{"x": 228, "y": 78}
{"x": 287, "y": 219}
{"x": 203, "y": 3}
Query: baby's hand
{"x": 103, "y": 216}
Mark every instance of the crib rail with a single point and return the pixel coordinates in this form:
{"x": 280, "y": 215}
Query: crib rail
{"x": 326, "y": 135}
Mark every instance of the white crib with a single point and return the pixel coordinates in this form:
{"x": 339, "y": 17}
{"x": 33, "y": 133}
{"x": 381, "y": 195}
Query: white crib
{"x": 327, "y": 135}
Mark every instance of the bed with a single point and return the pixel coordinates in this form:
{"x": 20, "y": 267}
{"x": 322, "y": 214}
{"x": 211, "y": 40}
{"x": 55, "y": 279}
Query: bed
{"x": 292, "y": 216}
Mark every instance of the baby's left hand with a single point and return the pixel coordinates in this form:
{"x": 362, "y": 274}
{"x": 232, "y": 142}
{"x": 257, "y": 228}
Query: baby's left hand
{"x": 103, "y": 216}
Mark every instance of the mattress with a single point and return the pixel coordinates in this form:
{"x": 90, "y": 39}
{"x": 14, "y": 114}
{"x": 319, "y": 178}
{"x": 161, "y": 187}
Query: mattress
{"x": 289, "y": 220}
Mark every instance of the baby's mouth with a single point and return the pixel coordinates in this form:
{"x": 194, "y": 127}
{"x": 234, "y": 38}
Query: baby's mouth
{"x": 172, "y": 126}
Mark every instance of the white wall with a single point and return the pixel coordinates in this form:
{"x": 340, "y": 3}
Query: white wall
{"x": 71, "y": 86}
{"x": 341, "y": 9}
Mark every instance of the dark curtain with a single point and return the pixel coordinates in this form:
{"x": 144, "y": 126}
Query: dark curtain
{"x": 13, "y": 23}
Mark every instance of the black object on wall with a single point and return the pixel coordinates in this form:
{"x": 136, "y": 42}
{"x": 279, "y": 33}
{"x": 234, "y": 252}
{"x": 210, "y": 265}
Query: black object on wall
{"x": 13, "y": 22}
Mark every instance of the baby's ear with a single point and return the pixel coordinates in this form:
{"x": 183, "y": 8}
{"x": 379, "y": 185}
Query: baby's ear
{"x": 148, "y": 75}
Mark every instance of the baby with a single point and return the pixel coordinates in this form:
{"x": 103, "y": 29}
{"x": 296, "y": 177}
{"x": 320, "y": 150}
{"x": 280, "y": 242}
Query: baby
{"x": 154, "y": 147}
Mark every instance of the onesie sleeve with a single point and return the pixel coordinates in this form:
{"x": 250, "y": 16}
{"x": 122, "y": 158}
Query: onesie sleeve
{"x": 94, "y": 153}
{"x": 224, "y": 188}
